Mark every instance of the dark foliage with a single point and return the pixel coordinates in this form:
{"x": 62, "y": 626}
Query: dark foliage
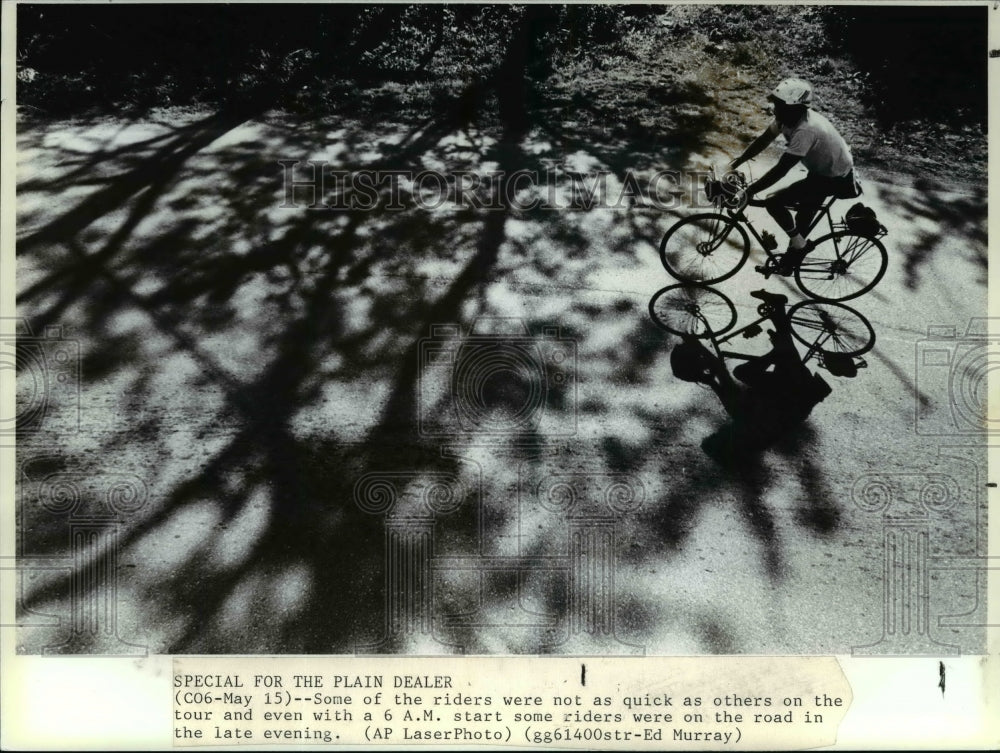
{"x": 920, "y": 61}
{"x": 916, "y": 62}
{"x": 133, "y": 57}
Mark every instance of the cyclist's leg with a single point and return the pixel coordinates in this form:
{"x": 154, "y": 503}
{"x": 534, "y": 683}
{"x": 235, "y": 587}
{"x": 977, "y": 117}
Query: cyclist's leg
{"x": 811, "y": 196}
{"x": 777, "y": 205}
{"x": 806, "y": 196}
{"x": 807, "y": 210}
{"x": 784, "y": 356}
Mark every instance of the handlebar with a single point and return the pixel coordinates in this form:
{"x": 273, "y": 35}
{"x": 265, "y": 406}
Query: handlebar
{"x": 728, "y": 192}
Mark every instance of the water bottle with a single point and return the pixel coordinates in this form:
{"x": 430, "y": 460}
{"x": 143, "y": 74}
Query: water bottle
{"x": 768, "y": 241}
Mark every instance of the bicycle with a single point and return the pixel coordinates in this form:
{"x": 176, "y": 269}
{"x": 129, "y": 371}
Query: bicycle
{"x": 834, "y": 334}
{"x": 711, "y": 247}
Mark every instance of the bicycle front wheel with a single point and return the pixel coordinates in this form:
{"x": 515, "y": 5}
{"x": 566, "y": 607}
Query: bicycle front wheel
{"x": 696, "y": 310}
{"x": 831, "y": 328}
{"x": 841, "y": 266}
{"x": 704, "y": 248}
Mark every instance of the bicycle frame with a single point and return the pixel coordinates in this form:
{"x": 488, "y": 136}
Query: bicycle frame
{"x": 844, "y": 263}
{"x": 719, "y": 341}
{"x": 739, "y": 216}
{"x": 833, "y": 334}
{"x": 824, "y": 211}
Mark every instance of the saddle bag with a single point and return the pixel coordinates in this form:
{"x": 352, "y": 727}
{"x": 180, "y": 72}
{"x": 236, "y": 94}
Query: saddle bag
{"x": 861, "y": 220}
{"x": 840, "y": 365}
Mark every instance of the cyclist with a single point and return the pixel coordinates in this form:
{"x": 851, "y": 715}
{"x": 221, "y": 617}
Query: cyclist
{"x": 810, "y": 139}
{"x": 772, "y": 401}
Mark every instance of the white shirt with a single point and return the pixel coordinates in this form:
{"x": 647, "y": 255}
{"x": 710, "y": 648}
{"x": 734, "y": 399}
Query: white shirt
{"x": 814, "y": 139}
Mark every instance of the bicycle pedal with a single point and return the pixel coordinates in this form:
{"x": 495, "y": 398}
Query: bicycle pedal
{"x": 752, "y": 331}
{"x": 762, "y": 269}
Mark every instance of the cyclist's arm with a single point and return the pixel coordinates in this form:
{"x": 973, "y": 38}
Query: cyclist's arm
{"x": 772, "y": 176}
{"x": 758, "y": 145}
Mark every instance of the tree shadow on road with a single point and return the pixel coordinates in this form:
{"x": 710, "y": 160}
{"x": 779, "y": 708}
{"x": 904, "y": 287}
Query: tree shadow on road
{"x": 946, "y": 225}
{"x": 263, "y": 371}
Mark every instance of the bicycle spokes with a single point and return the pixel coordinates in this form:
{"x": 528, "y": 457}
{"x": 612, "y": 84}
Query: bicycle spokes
{"x": 692, "y": 310}
{"x": 688, "y": 308}
{"x": 822, "y": 327}
{"x": 704, "y": 248}
{"x": 842, "y": 266}
{"x": 831, "y": 328}
{"x": 716, "y": 232}
{"x": 710, "y": 237}
{"x": 855, "y": 249}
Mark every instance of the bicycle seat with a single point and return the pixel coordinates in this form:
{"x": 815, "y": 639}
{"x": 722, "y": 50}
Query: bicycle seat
{"x": 849, "y": 192}
{"x": 772, "y": 298}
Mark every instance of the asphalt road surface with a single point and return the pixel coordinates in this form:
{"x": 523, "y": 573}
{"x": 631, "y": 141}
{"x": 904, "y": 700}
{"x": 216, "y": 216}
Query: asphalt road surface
{"x": 249, "y": 427}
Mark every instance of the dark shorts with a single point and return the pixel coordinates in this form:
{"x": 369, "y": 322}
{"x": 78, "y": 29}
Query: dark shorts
{"x": 810, "y": 192}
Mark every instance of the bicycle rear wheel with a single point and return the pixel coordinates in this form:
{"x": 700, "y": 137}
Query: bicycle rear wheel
{"x": 842, "y": 266}
{"x": 704, "y": 248}
{"x": 695, "y": 310}
{"x": 831, "y": 328}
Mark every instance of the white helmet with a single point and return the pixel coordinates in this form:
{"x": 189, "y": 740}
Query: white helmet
{"x": 793, "y": 91}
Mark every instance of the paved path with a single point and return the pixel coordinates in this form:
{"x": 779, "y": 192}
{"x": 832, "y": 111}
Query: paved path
{"x": 255, "y": 393}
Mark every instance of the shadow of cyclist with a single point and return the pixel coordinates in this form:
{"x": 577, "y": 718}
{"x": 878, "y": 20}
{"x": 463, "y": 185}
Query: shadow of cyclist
{"x": 770, "y": 395}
